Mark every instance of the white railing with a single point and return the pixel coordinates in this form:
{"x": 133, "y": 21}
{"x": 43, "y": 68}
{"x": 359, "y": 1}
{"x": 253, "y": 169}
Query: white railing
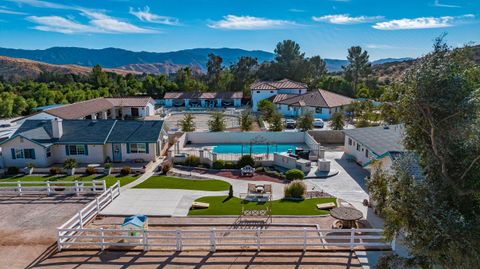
{"x": 52, "y": 187}
{"x": 86, "y": 214}
{"x": 215, "y": 239}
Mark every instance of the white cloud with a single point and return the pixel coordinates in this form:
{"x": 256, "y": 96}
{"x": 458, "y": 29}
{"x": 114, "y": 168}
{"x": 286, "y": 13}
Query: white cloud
{"x": 346, "y": 19}
{"x": 60, "y": 25}
{"x": 422, "y": 23}
{"x": 249, "y": 23}
{"x": 41, "y": 4}
{"x": 438, "y": 4}
{"x": 4, "y": 10}
{"x": 98, "y": 23}
{"x": 146, "y": 15}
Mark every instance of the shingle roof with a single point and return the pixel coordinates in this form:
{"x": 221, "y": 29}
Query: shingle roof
{"x": 135, "y": 131}
{"x": 85, "y": 108}
{"x": 379, "y": 139}
{"x": 281, "y": 84}
{"x": 91, "y": 131}
{"x": 316, "y": 98}
{"x": 203, "y": 95}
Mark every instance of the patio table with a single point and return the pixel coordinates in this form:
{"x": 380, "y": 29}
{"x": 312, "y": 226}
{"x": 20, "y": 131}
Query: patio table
{"x": 348, "y": 216}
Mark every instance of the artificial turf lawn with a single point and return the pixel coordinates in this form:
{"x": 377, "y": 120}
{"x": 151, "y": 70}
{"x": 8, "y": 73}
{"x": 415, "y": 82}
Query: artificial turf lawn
{"x": 109, "y": 180}
{"x": 221, "y": 205}
{"x": 164, "y": 182}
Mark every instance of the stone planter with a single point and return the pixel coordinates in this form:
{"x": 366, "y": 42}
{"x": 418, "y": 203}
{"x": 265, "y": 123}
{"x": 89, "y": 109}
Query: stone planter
{"x": 107, "y": 171}
{"x": 71, "y": 171}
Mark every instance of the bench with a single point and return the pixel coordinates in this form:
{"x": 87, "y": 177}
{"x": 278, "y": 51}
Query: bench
{"x": 329, "y": 205}
{"x": 200, "y": 205}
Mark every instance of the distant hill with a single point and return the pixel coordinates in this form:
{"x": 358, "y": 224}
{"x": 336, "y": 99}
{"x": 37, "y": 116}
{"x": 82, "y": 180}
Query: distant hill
{"x": 150, "y": 62}
{"x": 15, "y": 69}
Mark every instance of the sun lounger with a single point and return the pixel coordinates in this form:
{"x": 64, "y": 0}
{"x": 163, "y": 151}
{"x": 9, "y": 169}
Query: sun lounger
{"x": 199, "y": 205}
{"x": 329, "y": 205}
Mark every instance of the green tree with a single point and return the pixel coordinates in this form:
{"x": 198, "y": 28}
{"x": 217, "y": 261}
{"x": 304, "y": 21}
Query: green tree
{"x": 276, "y": 122}
{"x": 358, "y": 66}
{"x": 214, "y": 69}
{"x": 187, "y": 124}
{"x": 246, "y": 121}
{"x": 317, "y": 70}
{"x": 244, "y": 74}
{"x": 266, "y": 109}
{"x": 305, "y": 122}
{"x": 217, "y": 122}
{"x": 437, "y": 212}
{"x": 337, "y": 121}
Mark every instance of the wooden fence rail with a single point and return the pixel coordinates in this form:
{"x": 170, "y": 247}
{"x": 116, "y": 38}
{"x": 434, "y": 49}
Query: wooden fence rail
{"x": 52, "y": 187}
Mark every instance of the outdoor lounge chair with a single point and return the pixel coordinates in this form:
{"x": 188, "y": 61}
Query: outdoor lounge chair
{"x": 252, "y": 188}
{"x": 247, "y": 171}
{"x": 267, "y": 188}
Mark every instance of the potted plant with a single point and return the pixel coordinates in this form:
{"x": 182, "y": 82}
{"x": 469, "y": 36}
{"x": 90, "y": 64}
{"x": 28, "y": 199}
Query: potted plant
{"x": 107, "y": 168}
{"x": 29, "y": 169}
{"x": 70, "y": 165}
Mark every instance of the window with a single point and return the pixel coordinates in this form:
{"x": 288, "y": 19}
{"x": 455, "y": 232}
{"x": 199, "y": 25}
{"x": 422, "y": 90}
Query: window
{"x": 358, "y": 147}
{"x": 23, "y": 154}
{"x": 349, "y": 141}
{"x": 271, "y": 91}
{"x": 76, "y": 150}
{"x": 366, "y": 153}
{"x": 138, "y": 148}
{"x": 318, "y": 110}
{"x": 258, "y": 91}
{"x": 49, "y": 152}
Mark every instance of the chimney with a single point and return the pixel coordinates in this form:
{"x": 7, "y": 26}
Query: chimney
{"x": 57, "y": 128}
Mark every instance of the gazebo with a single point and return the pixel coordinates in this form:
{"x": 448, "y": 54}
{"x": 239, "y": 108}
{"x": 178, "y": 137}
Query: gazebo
{"x": 348, "y": 216}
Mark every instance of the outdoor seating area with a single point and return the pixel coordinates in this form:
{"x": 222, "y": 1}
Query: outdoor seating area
{"x": 347, "y": 217}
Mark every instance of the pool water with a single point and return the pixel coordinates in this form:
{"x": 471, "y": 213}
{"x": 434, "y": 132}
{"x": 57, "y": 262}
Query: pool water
{"x": 256, "y": 149}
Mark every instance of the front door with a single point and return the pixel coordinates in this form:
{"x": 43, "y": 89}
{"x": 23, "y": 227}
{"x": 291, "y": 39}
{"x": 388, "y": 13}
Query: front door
{"x": 117, "y": 152}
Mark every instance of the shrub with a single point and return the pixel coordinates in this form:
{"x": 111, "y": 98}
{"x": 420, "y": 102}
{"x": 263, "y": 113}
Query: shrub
{"x": 70, "y": 164}
{"x": 126, "y": 170}
{"x": 12, "y": 170}
{"x": 218, "y": 164}
{"x": 107, "y": 166}
{"x": 246, "y": 160}
{"x": 230, "y": 165}
{"x": 275, "y": 174}
{"x": 260, "y": 169}
{"x": 192, "y": 160}
{"x": 295, "y": 189}
{"x": 90, "y": 170}
{"x": 54, "y": 170}
{"x": 293, "y": 174}
{"x": 30, "y": 165}
{"x": 167, "y": 165}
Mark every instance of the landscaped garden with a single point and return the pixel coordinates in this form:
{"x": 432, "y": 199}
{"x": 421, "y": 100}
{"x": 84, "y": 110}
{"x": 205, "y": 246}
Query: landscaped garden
{"x": 223, "y": 205}
{"x": 165, "y": 182}
{"x": 109, "y": 180}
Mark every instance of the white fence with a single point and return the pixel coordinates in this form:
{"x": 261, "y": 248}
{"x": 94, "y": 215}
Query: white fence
{"x": 77, "y": 222}
{"x": 215, "y": 239}
{"x": 52, "y": 187}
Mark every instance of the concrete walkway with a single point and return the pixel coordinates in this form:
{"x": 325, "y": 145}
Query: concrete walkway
{"x": 239, "y": 185}
{"x": 156, "y": 202}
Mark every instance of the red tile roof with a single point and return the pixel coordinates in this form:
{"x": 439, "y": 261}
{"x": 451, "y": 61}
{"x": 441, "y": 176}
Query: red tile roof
{"x": 317, "y": 98}
{"x": 275, "y": 85}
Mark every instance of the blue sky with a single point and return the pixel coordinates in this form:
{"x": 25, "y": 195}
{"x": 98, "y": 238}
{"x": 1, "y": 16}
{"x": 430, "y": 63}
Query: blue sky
{"x": 385, "y": 28}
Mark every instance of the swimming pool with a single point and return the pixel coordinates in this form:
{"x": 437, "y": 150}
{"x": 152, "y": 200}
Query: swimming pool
{"x": 256, "y": 149}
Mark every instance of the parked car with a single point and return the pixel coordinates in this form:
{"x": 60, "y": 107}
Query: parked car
{"x": 318, "y": 123}
{"x": 290, "y": 123}
{"x": 6, "y": 125}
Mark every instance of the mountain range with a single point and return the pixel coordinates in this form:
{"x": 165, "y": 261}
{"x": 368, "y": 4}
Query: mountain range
{"x": 152, "y": 62}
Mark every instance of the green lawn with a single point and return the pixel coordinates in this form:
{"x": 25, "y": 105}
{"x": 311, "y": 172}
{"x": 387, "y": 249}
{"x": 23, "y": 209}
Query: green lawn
{"x": 219, "y": 205}
{"x": 164, "y": 182}
{"x": 109, "y": 180}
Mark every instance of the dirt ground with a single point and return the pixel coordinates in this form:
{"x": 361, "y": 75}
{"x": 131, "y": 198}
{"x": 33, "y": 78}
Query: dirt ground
{"x": 28, "y": 225}
{"x": 217, "y": 260}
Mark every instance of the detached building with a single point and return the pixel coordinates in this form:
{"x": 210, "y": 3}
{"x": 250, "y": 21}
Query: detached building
{"x": 99, "y": 108}
{"x": 292, "y": 99}
{"x": 203, "y": 99}
{"x": 47, "y": 142}
{"x": 381, "y": 144}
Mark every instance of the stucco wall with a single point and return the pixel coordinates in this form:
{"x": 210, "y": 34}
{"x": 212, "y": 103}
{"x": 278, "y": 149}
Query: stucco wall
{"x": 259, "y": 95}
{"x": 95, "y": 154}
{"x": 328, "y": 136}
{"x": 41, "y": 159}
{"x": 358, "y": 154}
{"x": 245, "y": 137}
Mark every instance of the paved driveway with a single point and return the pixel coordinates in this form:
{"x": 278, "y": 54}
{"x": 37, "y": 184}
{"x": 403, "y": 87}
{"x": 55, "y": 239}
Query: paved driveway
{"x": 156, "y": 202}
